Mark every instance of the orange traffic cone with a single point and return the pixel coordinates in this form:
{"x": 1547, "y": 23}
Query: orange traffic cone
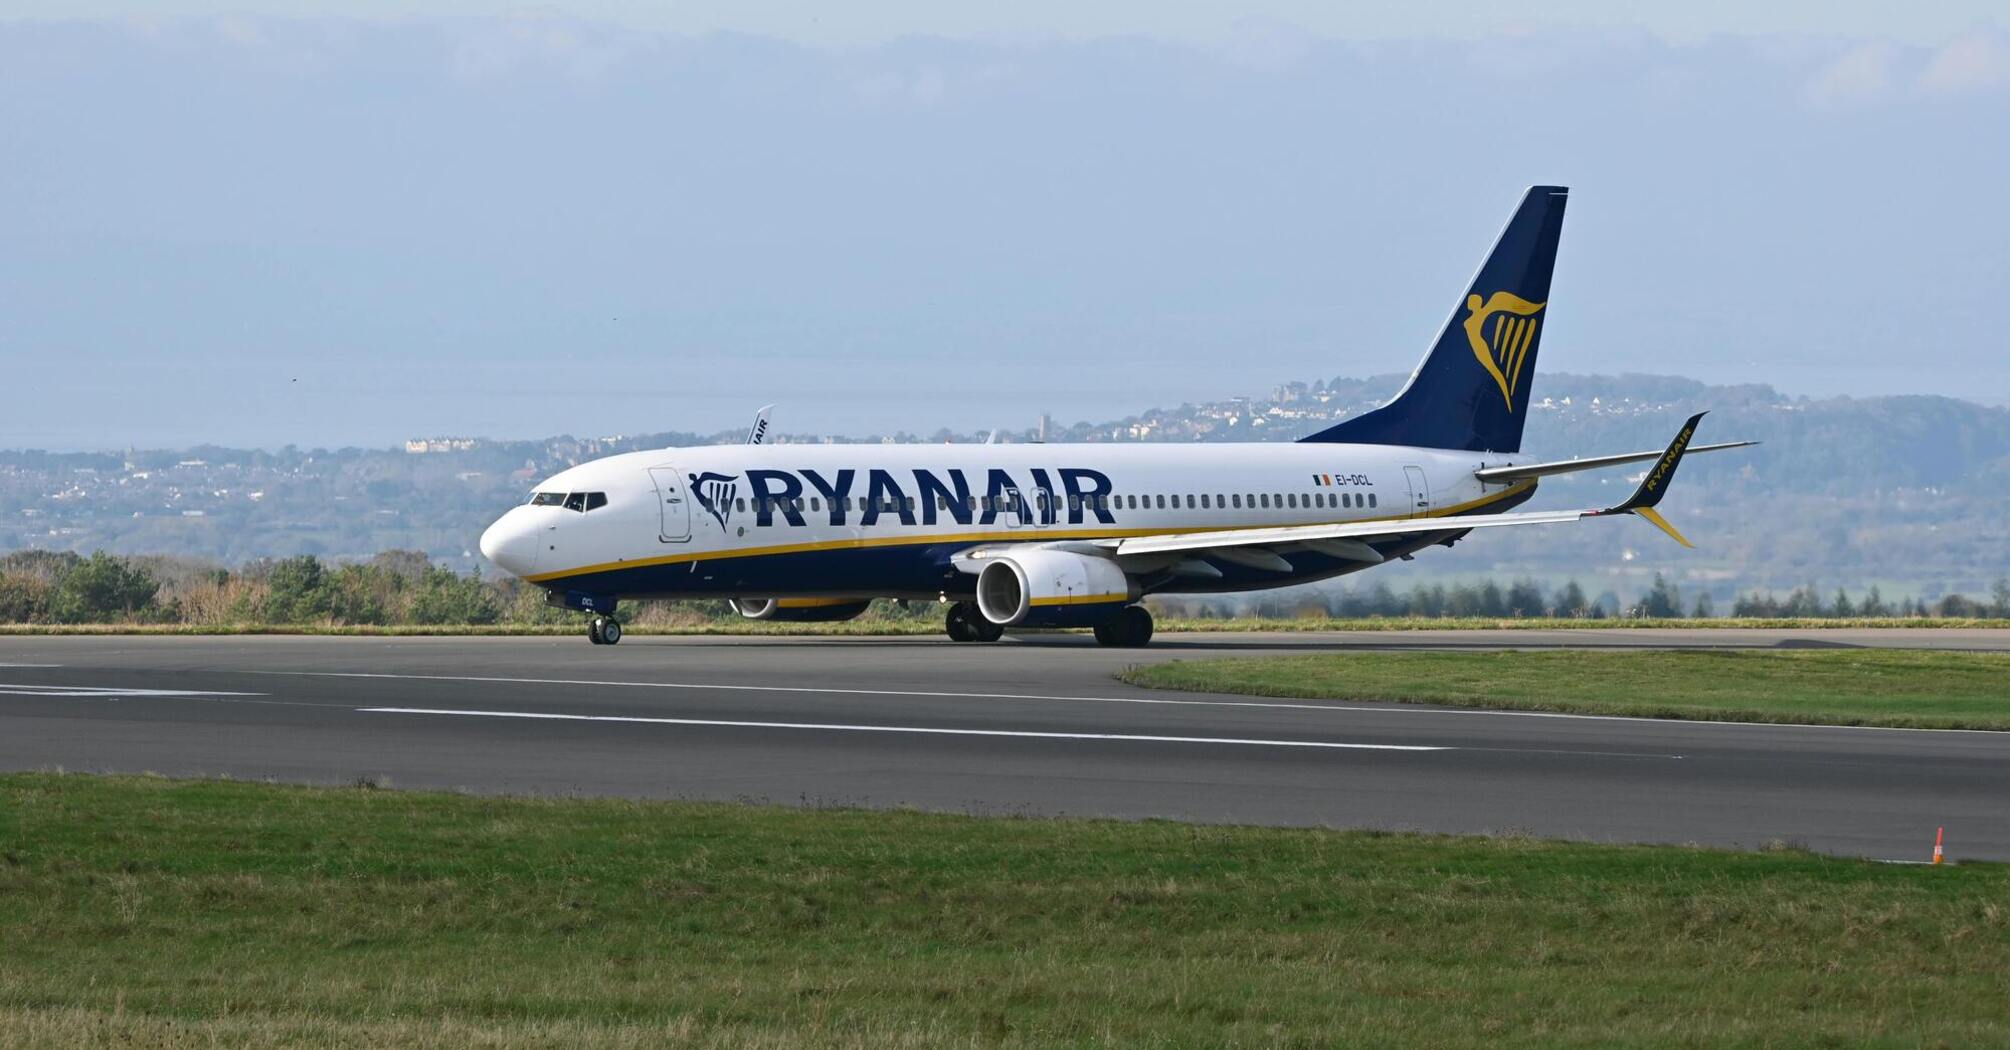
{"x": 1938, "y": 834}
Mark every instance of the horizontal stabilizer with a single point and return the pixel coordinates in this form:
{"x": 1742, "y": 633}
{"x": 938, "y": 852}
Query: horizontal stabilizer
{"x": 1570, "y": 466}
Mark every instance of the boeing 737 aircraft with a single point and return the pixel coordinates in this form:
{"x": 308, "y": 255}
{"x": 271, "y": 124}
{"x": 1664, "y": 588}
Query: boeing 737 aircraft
{"x": 1074, "y": 535}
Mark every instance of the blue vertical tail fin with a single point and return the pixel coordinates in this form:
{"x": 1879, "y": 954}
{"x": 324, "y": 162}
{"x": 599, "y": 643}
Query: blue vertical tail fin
{"x": 1472, "y": 390}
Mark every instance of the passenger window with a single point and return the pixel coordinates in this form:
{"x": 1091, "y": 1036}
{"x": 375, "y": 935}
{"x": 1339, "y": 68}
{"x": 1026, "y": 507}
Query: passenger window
{"x": 576, "y": 501}
{"x": 1189, "y": 501}
{"x": 1371, "y": 499}
{"x": 596, "y": 500}
{"x": 547, "y": 499}
{"x": 1266, "y": 501}
{"x": 1238, "y": 501}
{"x": 1291, "y": 500}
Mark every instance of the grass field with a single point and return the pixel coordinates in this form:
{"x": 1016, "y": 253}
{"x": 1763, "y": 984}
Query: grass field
{"x": 140, "y": 911}
{"x": 931, "y": 625}
{"x": 1871, "y": 687}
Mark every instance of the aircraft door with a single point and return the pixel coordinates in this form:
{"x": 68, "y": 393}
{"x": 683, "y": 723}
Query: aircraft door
{"x": 1420, "y": 490}
{"x": 673, "y": 503}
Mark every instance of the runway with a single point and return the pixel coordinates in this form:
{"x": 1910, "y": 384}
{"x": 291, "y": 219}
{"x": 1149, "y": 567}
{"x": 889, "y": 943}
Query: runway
{"x": 1029, "y": 726}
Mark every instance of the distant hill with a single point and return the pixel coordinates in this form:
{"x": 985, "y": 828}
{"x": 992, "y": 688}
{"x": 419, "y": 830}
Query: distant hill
{"x": 1908, "y": 493}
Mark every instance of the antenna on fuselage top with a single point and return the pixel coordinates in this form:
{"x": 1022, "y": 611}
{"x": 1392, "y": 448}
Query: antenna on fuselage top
{"x": 758, "y": 434}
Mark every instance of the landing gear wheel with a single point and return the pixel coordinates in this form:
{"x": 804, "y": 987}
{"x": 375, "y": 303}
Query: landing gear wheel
{"x": 1130, "y": 627}
{"x": 593, "y": 632}
{"x": 966, "y": 624}
{"x": 604, "y": 631}
{"x": 958, "y": 624}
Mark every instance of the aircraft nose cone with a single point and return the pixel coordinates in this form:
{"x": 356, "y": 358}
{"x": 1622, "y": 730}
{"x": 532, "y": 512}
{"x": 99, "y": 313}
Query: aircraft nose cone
{"x": 510, "y": 546}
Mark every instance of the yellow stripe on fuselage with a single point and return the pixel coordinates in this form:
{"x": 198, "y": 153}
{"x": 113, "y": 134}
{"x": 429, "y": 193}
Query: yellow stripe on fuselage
{"x": 1082, "y": 599}
{"x": 1029, "y": 534}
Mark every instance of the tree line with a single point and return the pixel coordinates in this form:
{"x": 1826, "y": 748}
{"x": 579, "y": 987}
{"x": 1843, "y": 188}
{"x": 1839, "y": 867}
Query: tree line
{"x": 1527, "y": 599}
{"x": 405, "y": 588}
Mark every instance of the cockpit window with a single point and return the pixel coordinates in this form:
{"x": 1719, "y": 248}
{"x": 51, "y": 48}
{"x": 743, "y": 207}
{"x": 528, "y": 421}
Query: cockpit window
{"x": 578, "y": 501}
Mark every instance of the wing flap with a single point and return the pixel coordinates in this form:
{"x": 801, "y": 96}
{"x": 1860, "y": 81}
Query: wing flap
{"x": 1313, "y": 534}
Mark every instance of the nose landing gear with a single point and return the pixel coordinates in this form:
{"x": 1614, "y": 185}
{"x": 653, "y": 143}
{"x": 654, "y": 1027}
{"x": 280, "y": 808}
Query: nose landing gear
{"x": 604, "y": 630}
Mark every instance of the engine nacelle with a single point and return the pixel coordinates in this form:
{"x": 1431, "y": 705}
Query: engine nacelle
{"x": 799, "y": 610}
{"x": 1050, "y": 588}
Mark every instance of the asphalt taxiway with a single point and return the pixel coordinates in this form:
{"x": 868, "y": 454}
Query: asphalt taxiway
{"x": 1033, "y": 725}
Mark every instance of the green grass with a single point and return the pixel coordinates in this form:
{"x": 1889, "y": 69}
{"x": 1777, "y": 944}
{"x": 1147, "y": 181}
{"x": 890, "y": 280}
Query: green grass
{"x": 929, "y": 625}
{"x": 1868, "y": 687}
{"x": 141, "y": 911}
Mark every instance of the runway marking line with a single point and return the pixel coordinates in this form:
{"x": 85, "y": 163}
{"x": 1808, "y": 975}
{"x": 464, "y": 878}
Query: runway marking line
{"x": 1354, "y": 707}
{"x": 106, "y": 692}
{"x": 934, "y": 730}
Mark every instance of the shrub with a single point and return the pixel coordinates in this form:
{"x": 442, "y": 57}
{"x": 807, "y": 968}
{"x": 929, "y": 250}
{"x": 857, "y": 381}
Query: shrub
{"x": 23, "y": 599}
{"x": 101, "y": 588}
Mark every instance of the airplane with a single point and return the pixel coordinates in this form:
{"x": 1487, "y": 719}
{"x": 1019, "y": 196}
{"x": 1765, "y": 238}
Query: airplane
{"x": 1012, "y": 536}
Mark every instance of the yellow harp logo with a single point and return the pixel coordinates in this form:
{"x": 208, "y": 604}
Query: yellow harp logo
{"x": 1503, "y": 345}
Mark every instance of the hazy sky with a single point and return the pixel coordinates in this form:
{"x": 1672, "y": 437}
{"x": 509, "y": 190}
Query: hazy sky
{"x": 874, "y": 21}
{"x": 322, "y": 225}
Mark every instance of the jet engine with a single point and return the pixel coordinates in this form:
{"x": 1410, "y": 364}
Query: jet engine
{"x": 799, "y": 610}
{"x": 1051, "y": 588}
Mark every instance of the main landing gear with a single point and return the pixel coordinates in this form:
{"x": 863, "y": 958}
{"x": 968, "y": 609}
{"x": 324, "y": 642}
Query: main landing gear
{"x": 1130, "y": 627}
{"x": 966, "y": 624}
{"x": 604, "y": 630}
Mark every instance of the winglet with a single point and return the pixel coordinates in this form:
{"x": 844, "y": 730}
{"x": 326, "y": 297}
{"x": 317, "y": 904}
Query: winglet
{"x": 1662, "y": 523}
{"x": 1655, "y": 484}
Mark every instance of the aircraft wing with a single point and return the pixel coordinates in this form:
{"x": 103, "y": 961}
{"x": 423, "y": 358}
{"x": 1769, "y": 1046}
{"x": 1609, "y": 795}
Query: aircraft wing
{"x": 1344, "y": 539}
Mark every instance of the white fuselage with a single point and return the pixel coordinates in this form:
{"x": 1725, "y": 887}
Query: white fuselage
{"x": 885, "y": 520}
